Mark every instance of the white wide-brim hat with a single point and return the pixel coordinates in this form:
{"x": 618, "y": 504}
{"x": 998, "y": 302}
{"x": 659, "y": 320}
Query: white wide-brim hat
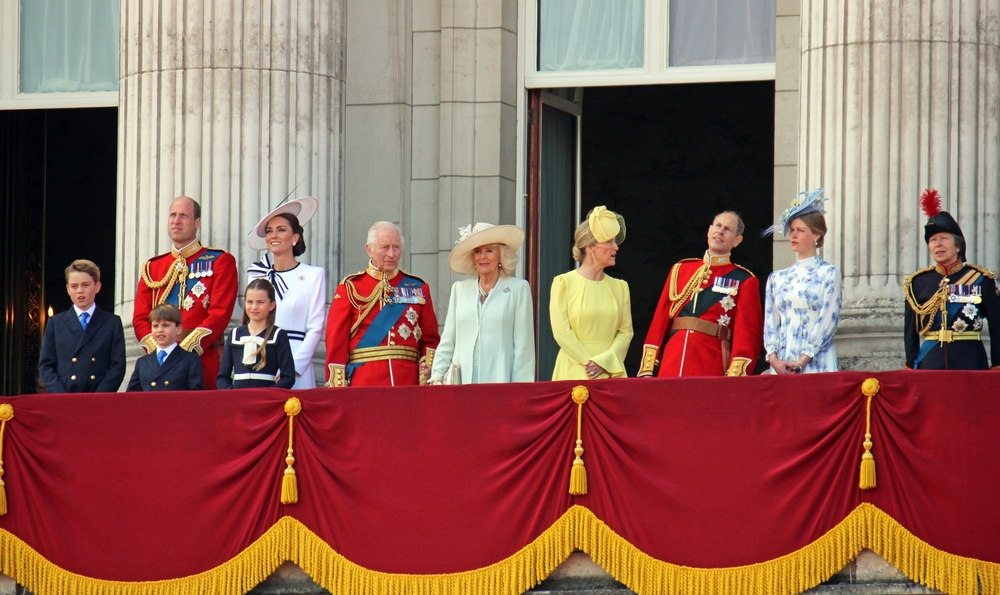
{"x": 303, "y": 208}
{"x": 482, "y": 234}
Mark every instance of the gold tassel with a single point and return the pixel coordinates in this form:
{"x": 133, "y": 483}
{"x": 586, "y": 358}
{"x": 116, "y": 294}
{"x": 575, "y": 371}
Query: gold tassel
{"x": 578, "y": 474}
{"x": 6, "y": 414}
{"x": 869, "y": 388}
{"x": 289, "y": 483}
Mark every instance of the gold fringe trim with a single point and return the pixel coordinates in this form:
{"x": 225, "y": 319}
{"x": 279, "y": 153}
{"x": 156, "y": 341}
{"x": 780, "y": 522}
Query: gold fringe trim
{"x": 866, "y": 527}
{"x": 578, "y": 473}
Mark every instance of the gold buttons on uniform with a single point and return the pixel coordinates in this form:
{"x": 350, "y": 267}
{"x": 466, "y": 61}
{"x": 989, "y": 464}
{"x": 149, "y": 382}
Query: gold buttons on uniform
{"x": 73, "y": 377}
{"x": 167, "y": 383}
{"x": 93, "y": 377}
{"x": 73, "y": 360}
{"x": 152, "y": 384}
{"x": 93, "y": 359}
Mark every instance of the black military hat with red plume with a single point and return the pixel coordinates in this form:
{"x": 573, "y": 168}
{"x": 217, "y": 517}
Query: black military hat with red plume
{"x": 939, "y": 221}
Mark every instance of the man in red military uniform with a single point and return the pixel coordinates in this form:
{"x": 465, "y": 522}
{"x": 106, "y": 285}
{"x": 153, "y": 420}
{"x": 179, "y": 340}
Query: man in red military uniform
{"x": 382, "y": 329}
{"x": 200, "y": 281}
{"x": 708, "y": 321}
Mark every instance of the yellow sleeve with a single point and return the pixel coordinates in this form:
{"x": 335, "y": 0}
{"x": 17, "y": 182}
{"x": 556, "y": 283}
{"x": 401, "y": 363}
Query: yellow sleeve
{"x": 559, "y": 317}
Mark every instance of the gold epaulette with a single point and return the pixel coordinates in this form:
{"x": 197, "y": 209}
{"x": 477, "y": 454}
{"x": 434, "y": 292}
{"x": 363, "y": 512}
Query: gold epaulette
{"x": 909, "y": 280}
{"x": 985, "y": 271}
{"x": 744, "y": 268}
{"x": 344, "y": 280}
{"x": 691, "y": 259}
{"x": 409, "y": 274}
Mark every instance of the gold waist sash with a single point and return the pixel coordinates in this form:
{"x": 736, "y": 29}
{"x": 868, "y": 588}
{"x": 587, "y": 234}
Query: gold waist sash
{"x": 949, "y": 336}
{"x": 384, "y": 352}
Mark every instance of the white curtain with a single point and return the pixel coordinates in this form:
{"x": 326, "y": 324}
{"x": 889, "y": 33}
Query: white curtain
{"x": 706, "y": 32}
{"x": 590, "y": 34}
{"x": 69, "y": 45}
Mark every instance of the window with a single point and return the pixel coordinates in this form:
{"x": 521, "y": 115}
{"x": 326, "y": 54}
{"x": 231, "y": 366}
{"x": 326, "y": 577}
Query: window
{"x": 621, "y": 42}
{"x": 59, "y": 53}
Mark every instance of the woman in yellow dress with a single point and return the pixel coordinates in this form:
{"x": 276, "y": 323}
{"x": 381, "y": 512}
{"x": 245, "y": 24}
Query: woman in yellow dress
{"x": 591, "y": 311}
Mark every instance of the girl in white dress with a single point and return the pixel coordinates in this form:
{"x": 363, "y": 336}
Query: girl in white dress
{"x": 300, "y": 288}
{"x": 802, "y": 307}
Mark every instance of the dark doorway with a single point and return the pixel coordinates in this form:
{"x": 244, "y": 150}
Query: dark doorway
{"x": 669, "y": 158}
{"x": 58, "y": 172}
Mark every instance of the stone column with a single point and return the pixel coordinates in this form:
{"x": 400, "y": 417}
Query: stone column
{"x": 897, "y": 97}
{"x": 234, "y": 104}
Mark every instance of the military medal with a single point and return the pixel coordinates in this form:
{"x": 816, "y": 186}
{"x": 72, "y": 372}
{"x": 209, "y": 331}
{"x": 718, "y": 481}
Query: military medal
{"x": 727, "y": 286}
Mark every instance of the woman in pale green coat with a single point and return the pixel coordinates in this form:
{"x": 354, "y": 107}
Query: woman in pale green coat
{"x": 489, "y": 333}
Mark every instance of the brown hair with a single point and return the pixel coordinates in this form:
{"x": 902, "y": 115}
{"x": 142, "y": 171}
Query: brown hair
{"x": 166, "y": 313}
{"x": 582, "y": 239}
{"x": 816, "y": 222}
{"x": 262, "y": 285}
{"x": 740, "y": 226}
{"x": 300, "y": 247}
{"x": 84, "y": 266}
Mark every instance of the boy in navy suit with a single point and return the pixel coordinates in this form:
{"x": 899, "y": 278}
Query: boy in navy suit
{"x": 166, "y": 368}
{"x": 83, "y": 350}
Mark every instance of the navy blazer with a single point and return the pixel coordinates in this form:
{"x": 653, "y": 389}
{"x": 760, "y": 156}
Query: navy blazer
{"x": 180, "y": 371}
{"x": 78, "y": 361}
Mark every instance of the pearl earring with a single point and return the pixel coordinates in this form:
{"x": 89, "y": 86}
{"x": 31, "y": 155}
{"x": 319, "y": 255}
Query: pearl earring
{"x": 294, "y": 243}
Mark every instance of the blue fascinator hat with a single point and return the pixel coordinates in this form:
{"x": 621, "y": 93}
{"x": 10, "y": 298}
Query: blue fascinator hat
{"x": 806, "y": 202}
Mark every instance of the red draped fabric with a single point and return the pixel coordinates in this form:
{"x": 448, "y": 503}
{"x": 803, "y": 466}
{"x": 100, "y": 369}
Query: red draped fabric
{"x": 708, "y": 473}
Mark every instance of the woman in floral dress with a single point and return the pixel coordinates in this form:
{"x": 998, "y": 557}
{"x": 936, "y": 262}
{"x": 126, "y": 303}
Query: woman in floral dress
{"x": 802, "y": 307}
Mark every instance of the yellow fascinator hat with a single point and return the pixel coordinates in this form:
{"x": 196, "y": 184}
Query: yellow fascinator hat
{"x": 606, "y": 225}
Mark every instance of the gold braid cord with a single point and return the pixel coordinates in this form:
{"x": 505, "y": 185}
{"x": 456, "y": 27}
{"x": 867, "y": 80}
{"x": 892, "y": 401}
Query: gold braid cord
{"x": 578, "y": 473}
{"x": 925, "y": 312}
{"x": 289, "y": 482}
{"x": 177, "y": 272}
{"x": 678, "y": 299}
{"x": 364, "y": 304}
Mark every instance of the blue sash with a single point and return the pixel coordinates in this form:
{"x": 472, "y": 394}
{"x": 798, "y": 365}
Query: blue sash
{"x": 390, "y": 313}
{"x": 198, "y": 268}
{"x": 953, "y": 309}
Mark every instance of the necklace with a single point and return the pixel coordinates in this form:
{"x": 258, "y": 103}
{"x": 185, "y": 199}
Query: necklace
{"x": 483, "y": 293}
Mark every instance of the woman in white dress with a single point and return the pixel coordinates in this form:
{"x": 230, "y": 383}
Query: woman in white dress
{"x": 489, "y": 335}
{"x": 802, "y": 307}
{"x": 300, "y": 288}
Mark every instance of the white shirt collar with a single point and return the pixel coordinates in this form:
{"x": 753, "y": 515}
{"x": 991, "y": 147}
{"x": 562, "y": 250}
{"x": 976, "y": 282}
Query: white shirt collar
{"x": 169, "y": 349}
{"x": 89, "y": 311}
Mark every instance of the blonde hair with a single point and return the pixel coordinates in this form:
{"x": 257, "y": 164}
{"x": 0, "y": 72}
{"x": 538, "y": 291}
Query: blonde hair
{"x": 582, "y": 239}
{"x": 84, "y": 266}
{"x": 508, "y": 260}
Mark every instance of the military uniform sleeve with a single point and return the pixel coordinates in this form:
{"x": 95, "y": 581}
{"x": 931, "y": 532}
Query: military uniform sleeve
{"x": 657, "y": 331}
{"x": 748, "y": 332}
{"x": 338, "y": 338}
{"x": 141, "y": 308}
{"x": 429, "y": 334}
{"x": 991, "y": 301}
{"x": 524, "y": 335}
{"x": 225, "y": 279}
{"x": 286, "y": 363}
{"x": 116, "y": 358}
{"x": 48, "y": 365}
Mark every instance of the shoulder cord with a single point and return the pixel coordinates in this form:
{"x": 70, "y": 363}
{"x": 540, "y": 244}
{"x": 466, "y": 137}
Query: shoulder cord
{"x": 363, "y": 304}
{"x": 927, "y": 310}
{"x": 693, "y": 285}
{"x": 176, "y": 272}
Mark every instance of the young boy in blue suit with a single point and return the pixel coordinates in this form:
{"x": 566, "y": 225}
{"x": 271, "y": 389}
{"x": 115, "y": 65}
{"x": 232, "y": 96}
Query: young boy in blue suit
{"x": 169, "y": 367}
{"x": 83, "y": 350}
